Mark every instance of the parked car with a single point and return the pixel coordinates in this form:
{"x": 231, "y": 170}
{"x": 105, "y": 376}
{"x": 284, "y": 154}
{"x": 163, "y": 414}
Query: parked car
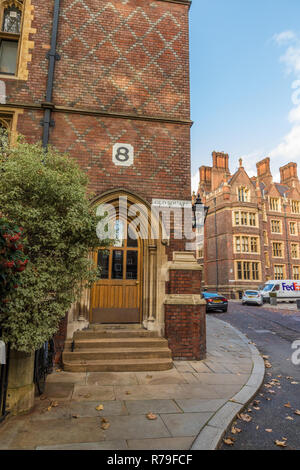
{"x": 252, "y": 297}
{"x": 215, "y": 302}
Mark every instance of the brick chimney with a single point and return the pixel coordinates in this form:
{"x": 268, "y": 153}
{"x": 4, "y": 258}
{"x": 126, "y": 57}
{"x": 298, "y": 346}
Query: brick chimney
{"x": 220, "y": 169}
{"x": 289, "y": 175}
{"x": 263, "y": 171}
{"x": 205, "y": 178}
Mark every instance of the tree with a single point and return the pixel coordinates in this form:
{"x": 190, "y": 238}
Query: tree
{"x": 46, "y": 194}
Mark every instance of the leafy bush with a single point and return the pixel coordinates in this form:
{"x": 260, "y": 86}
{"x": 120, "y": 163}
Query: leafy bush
{"x": 46, "y": 194}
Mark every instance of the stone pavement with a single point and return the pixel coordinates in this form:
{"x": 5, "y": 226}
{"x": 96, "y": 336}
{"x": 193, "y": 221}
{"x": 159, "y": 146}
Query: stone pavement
{"x": 194, "y": 403}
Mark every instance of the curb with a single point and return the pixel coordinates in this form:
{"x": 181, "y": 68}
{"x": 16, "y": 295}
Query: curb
{"x": 212, "y": 433}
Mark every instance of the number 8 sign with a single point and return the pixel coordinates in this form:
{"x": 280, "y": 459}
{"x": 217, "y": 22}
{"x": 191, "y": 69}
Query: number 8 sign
{"x": 123, "y": 154}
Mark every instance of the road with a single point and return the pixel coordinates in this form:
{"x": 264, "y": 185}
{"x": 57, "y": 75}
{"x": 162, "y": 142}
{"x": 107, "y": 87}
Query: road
{"x": 273, "y": 332}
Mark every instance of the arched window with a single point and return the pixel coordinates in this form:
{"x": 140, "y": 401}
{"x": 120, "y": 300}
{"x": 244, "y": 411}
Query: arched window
{"x": 11, "y": 26}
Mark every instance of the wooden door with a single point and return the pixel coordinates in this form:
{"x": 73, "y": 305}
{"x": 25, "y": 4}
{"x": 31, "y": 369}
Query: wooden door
{"x": 116, "y": 297}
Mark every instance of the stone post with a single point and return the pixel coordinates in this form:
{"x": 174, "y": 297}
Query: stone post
{"x": 20, "y": 392}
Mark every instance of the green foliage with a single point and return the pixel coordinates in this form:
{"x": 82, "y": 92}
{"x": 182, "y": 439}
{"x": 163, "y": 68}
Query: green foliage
{"x": 46, "y": 194}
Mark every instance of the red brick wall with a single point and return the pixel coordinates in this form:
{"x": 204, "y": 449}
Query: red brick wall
{"x": 186, "y": 331}
{"x": 184, "y": 282}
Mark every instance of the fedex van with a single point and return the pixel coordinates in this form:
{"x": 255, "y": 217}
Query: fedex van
{"x": 287, "y": 291}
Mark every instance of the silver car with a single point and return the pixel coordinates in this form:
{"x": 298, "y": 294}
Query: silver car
{"x": 252, "y": 297}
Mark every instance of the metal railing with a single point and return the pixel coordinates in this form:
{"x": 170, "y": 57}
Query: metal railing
{"x": 43, "y": 365}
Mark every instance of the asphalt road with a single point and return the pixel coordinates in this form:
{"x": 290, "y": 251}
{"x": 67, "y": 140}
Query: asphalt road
{"x": 273, "y": 333}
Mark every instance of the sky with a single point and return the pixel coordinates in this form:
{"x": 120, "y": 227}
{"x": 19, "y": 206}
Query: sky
{"x": 245, "y": 82}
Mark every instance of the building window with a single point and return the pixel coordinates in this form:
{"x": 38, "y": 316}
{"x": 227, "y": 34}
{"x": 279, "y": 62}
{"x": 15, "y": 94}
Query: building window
{"x": 243, "y": 194}
{"x": 244, "y": 244}
{"x": 295, "y": 250}
{"x": 293, "y": 228}
{"x": 279, "y": 273}
{"x": 248, "y": 271}
{"x": 296, "y": 273}
{"x": 296, "y": 207}
{"x": 275, "y": 226}
{"x": 252, "y": 219}
{"x": 10, "y": 34}
{"x": 245, "y": 218}
{"x": 277, "y": 250}
{"x": 274, "y": 204}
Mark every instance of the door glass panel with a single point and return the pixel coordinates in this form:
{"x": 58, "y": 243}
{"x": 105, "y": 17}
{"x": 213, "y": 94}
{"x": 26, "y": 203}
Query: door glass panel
{"x": 131, "y": 237}
{"x": 103, "y": 263}
{"x": 119, "y": 233}
{"x": 132, "y": 265}
{"x": 117, "y": 264}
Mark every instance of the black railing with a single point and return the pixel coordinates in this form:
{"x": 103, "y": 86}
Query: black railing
{"x": 4, "y": 368}
{"x": 43, "y": 365}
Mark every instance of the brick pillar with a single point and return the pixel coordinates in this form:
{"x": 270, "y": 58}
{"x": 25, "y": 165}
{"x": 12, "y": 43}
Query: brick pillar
{"x": 185, "y": 311}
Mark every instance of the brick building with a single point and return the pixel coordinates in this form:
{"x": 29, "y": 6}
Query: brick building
{"x": 108, "y": 83}
{"x": 253, "y": 226}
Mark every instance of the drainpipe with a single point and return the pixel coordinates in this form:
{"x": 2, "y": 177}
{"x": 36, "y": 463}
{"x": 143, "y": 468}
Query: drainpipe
{"x": 287, "y": 242}
{"x": 52, "y": 56}
{"x": 217, "y": 255}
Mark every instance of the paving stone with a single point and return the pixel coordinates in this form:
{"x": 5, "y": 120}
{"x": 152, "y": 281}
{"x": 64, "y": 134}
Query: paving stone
{"x": 165, "y": 392}
{"x": 187, "y": 424}
{"x": 195, "y": 405}
{"x": 76, "y": 377}
{"x": 167, "y": 443}
{"x": 40, "y": 433}
{"x": 111, "y": 378}
{"x": 138, "y": 407}
{"x": 129, "y": 427}
{"x": 223, "y": 379}
{"x": 93, "y": 393}
{"x": 59, "y": 390}
{"x": 216, "y": 367}
{"x": 172, "y": 376}
{"x": 88, "y": 409}
{"x": 200, "y": 367}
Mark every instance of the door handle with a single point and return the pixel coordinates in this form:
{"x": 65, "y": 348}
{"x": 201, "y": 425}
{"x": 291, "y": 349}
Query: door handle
{"x": 137, "y": 283}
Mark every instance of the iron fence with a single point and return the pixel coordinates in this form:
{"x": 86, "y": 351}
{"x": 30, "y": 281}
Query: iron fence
{"x": 43, "y": 365}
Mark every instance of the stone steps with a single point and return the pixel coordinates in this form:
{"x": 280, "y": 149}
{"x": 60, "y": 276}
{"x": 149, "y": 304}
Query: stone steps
{"x": 120, "y": 365}
{"x": 116, "y": 350}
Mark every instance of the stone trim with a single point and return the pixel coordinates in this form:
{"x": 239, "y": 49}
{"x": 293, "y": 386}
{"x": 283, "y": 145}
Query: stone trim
{"x": 184, "y": 299}
{"x": 93, "y": 112}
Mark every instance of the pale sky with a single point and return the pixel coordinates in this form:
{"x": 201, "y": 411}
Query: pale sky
{"x": 245, "y": 82}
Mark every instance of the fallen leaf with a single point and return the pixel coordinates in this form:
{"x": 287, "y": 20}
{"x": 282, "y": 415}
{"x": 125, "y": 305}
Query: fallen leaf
{"x": 105, "y": 426}
{"x": 87, "y": 396}
{"x": 280, "y": 443}
{"x": 256, "y": 408}
{"x": 229, "y": 441}
{"x": 99, "y": 407}
{"x": 268, "y": 365}
{"x": 43, "y": 397}
{"x": 151, "y": 416}
{"x": 75, "y": 416}
{"x": 290, "y": 418}
{"x": 58, "y": 370}
{"x": 265, "y": 357}
{"x": 295, "y": 383}
{"x": 235, "y": 430}
{"x": 104, "y": 420}
{"x": 245, "y": 417}
{"x": 269, "y": 430}
{"x": 54, "y": 404}
{"x": 49, "y": 408}
{"x": 257, "y": 427}
{"x": 297, "y": 412}
{"x": 288, "y": 405}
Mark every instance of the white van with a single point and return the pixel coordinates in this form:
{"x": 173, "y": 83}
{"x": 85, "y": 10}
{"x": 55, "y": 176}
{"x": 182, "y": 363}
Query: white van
{"x": 287, "y": 291}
